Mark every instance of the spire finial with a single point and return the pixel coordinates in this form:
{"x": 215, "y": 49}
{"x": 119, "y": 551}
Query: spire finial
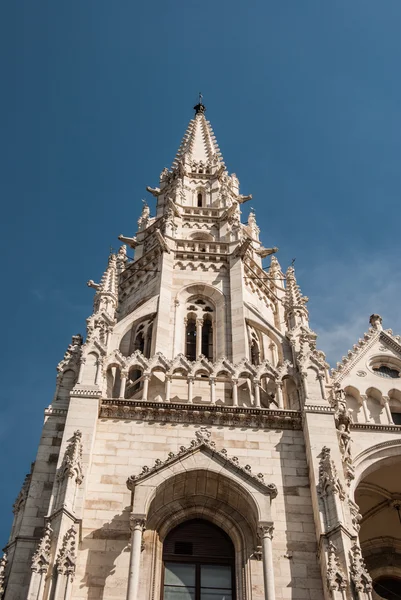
{"x": 200, "y": 107}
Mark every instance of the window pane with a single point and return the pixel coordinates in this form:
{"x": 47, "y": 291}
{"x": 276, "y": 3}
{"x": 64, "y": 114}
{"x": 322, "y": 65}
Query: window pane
{"x": 179, "y": 593}
{"x": 180, "y": 575}
{"x": 216, "y": 576}
{"x": 216, "y": 595}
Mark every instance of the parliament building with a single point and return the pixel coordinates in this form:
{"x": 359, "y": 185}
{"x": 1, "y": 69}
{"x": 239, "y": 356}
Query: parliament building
{"x": 198, "y": 446}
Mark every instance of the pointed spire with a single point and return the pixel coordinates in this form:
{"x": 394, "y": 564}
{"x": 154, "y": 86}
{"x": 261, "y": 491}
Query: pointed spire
{"x": 198, "y": 147}
{"x": 107, "y": 290}
{"x": 294, "y": 302}
{"x": 274, "y": 273}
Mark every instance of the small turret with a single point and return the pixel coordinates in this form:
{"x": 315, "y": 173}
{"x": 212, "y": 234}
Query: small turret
{"x": 106, "y": 296}
{"x": 295, "y": 310}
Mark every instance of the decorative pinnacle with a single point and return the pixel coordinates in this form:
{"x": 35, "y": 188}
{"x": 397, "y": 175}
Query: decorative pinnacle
{"x": 200, "y": 107}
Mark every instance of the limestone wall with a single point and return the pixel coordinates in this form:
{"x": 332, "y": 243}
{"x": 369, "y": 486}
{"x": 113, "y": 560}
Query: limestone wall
{"x": 121, "y": 448}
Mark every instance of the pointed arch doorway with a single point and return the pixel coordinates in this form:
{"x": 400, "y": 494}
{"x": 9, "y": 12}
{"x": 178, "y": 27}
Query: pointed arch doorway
{"x": 198, "y": 563}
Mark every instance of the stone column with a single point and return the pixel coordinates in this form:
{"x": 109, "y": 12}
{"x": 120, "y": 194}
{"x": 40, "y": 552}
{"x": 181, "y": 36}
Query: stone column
{"x": 99, "y": 365}
{"x": 190, "y": 389}
{"x": 273, "y": 350}
{"x": 81, "y": 370}
{"x": 123, "y": 383}
{"x": 266, "y": 536}
{"x": 212, "y": 382}
{"x": 199, "y": 324}
{"x": 304, "y": 376}
{"x": 280, "y": 400}
{"x": 235, "y": 392}
{"x": 387, "y": 409}
{"x": 167, "y": 388}
{"x": 137, "y": 525}
{"x": 322, "y": 390}
{"x": 256, "y": 387}
{"x": 146, "y": 378}
{"x": 365, "y": 408}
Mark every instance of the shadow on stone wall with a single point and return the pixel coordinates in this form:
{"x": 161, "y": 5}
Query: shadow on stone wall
{"x": 300, "y": 535}
{"x": 104, "y": 546}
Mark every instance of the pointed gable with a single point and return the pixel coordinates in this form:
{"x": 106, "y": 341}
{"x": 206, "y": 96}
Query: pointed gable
{"x": 220, "y": 462}
{"x": 376, "y": 345}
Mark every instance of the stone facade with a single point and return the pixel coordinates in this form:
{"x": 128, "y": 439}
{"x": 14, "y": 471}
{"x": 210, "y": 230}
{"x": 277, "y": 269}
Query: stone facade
{"x": 199, "y": 393}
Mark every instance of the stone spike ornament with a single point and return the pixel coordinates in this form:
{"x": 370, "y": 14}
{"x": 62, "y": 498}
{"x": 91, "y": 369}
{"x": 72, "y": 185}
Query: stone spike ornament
{"x": 3, "y": 565}
{"x": 41, "y": 558}
{"x": 66, "y": 559}
{"x": 72, "y": 462}
{"x": 106, "y": 296}
{"x": 294, "y": 302}
{"x": 336, "y": 579}
{"x": 359, "y": 574}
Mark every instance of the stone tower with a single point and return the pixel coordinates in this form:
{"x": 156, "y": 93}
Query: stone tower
{"x": 196, "y": 446}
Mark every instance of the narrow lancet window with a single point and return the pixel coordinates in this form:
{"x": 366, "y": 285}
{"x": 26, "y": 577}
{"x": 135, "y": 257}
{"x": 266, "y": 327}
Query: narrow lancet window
{"x": 207, "y": 339}
{"x": 190, "y": 339}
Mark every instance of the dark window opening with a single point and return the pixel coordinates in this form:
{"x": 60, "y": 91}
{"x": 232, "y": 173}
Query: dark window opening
{"x": 388, "y": 588}
{"x": 183, "y": 548}
{"x": 205, "y": 574}
{"x": 133, "y": 385}
{"x": 200, "y": 200}
{"x": 396, "y": 416}
{"x": 207, "y": 340}
{"x": 385, "y": 371}
{"x": 255, "y": 354}
{"x": 190, "y": 340}
{"x": 139, "y": 343}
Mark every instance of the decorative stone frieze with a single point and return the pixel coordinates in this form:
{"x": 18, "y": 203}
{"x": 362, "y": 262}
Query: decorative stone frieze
{"x": 72, "y": 462}
{"x": 228, "y": 416}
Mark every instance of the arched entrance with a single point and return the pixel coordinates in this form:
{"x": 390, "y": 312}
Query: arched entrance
{"x": 378, "y": 495}
{"x": 198, "y": 562}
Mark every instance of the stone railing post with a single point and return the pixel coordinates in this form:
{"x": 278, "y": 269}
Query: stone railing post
{"x": 256, "y": 387}
{"x": 190, "y": 389}
{"x": 235, "y": 392}
{"x": 123, "y": 383}
{"x": 146, "y": 378}
{"x": 168, "y": 388}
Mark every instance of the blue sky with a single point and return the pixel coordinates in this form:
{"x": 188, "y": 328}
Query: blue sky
{"x": 304, "y": 97}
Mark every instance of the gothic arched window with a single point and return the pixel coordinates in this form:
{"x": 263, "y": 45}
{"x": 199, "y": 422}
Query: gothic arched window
{"x": 198, "y": 560}
{"x": 190, "y": 339}
{"x": 200, "y": 199}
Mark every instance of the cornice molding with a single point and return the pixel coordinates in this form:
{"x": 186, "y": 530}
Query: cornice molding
{"x": 374, "y": 427}
{"x": 200, "y": 414}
